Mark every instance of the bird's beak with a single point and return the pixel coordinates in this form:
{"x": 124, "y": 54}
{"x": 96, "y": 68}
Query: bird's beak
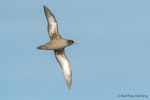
{"x": 75, "y": 43}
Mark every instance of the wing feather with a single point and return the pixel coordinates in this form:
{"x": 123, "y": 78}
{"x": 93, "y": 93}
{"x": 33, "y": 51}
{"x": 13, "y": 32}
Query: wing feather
{"x": 65, "y": 65}
{"x": 52, "y": 24}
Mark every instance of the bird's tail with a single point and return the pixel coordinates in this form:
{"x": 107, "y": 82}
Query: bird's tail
{"x": 43, "y": 47}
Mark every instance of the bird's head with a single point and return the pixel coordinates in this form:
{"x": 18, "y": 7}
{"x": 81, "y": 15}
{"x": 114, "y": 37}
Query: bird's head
{"x": 70, "y": 42}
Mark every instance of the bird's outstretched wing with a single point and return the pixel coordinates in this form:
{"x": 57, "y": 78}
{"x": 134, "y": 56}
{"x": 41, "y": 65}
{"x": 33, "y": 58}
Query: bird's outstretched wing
{"x": 64, "y": 63}
{"x": 52, "y": 24}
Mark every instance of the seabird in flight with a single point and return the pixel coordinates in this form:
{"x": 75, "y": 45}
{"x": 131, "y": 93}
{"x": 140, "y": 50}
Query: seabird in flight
{"x": 58, "y": 44}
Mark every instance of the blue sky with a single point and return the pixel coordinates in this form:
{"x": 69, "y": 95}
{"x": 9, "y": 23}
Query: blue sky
{"x": 112, "y": 57}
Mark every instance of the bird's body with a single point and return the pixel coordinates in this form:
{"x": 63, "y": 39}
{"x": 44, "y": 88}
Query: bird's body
{"x": 57, "y": 43}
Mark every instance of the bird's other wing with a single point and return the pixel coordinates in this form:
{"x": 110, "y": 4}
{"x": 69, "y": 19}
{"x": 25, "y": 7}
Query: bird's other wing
{"x": 52, "y": 24}
{"x": 64, "y": 63}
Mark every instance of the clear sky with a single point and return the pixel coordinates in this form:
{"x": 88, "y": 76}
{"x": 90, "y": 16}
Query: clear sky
{"x": 112, "y": 57}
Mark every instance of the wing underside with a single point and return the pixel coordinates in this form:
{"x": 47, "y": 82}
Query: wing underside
{"x": 65, "y": 65}
{"x": 52, "y": 24}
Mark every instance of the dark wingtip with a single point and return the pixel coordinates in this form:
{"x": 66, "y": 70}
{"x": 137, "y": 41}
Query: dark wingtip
{"x": 45, "y": 7}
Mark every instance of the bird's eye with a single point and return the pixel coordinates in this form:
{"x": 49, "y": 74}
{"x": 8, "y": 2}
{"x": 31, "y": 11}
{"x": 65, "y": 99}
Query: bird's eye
{"x": 71, "y": 41}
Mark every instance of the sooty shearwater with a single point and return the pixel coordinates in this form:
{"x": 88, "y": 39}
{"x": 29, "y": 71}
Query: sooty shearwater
{"x": 58, "y": 44}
